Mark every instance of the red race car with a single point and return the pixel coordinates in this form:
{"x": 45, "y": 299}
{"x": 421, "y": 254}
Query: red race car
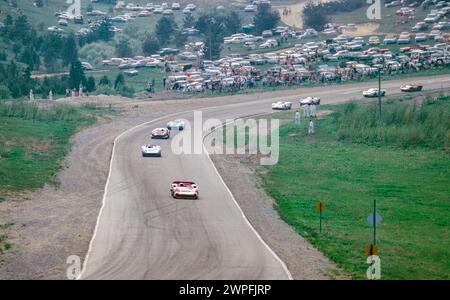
{"x": 184, "y": 189}
{"x": 414, "y": 87}
{"x": 160, "y": 133}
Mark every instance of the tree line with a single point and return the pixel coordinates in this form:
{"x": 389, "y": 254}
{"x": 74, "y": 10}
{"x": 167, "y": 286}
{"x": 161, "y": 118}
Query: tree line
{"x": 316, "y": 15}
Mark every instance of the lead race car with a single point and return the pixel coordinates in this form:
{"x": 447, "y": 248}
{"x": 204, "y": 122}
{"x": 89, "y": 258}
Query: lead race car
{"x": 282, "y": 105}
{"x": 151, "y": 150}
{"x": 413, "y": 87}
{"x": 373, "y": 92}
{"x": 310, "y": 100}
{"x": 178, "y": 124}
{"x": 160, "y": 133}
{"x": 184, "y": 189}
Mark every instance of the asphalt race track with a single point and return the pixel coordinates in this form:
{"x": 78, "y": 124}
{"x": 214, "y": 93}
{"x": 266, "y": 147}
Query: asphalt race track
{"x": 143, "y": 233}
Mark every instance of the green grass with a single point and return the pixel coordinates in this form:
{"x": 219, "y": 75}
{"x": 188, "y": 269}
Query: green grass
{"x": 388, "y": 22}
{"x": 138, "y": 82}
{"x": 34, "y": 141}
{"x": 411, "y": 187}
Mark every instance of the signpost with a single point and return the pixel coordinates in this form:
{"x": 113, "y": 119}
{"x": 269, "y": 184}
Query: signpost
{"x": 371, "y": 249}
{"x": 320, "y": 207}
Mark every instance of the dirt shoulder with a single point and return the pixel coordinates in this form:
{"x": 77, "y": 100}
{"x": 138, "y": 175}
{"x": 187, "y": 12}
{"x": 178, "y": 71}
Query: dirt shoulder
{"x": 301, "y": 258}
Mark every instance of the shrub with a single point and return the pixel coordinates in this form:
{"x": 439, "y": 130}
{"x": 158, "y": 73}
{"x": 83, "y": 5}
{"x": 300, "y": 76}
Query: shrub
{"x": 404, "y": 124}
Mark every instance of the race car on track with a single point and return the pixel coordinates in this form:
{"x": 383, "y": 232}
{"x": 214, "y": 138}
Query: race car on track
{"x": 184, "y": 189}
{"x": 310, "y": 100}
{"x": 373, "y": 92}
{"x": 160, "y": 133}
{"x": 282, "y": 105}
{"x": 177, "y": 124}
{"x": 413, "y": 87}
{"x": 151, "y": 150}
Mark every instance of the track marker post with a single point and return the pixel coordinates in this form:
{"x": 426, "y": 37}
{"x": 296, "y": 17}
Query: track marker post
{"x": 320, "y": 207}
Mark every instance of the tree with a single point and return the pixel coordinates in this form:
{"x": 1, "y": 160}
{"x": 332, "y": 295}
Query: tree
{"x": 233, "y": 23}
{"x": 104, "y": 81}
{"x": 104, "y": 32}
{"x": 213, "y": 37}
{"x": 70, "y": 51}
{"x": 188, "y": 21}
{"x": 180, "y": 39}
{"x": 265, "y": 18}
{"x": 39, "y": 3}
{"x": 90, "y": 7}
{"x": 123, "y": 48}
{"x": 150, "y": 45}
{"x": 314, "y": 16}
{"x": 30, "y": 57}
{"x": 76, "y": 74}
{"x": 4, "y": 92}
{"x": 90, "y": 84}
{"x": 21, "y": 29}
{"x": 165, "y": 28}
{"x": 119, "y": 82}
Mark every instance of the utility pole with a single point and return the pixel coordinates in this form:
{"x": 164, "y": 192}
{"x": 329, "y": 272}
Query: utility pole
{"x": 210, "y": 49}
{"x": 379, "y": 93}
{"x": 374, "y": 222}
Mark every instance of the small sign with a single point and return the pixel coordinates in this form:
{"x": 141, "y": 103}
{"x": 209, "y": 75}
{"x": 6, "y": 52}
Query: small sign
{"x": 320, "y": 207}
{"x": 378, "y": 219}
{"x": 371, "y": 249}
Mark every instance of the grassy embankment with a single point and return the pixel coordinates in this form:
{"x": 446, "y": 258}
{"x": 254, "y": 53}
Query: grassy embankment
{"x": 352, "y": 159}
{"x": 34, "y": 141}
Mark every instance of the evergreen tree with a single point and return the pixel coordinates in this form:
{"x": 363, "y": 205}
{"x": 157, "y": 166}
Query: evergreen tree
{"x": 90, "y": 84}
{"x": 70, "y": 51}
{"x": 119, "y": 82}
{"x": 265, "y": 18}
{"x": 76, "y": 74}
{"x": 104, "y": 81}
{"x": 188, "y": 21}
{"x": 123, "y": 48}
{"x": 165, "y": 28}
{"x": 150, "y": 45}
{"x": 233, "y": 23}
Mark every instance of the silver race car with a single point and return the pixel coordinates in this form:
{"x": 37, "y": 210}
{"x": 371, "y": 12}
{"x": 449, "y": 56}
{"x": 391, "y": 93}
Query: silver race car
{"x": 373, "y": 92}
{"x": 151, "y": 150}
{"x": 310, "y": 100}
{"x": 282, "y": 105}
{"x": 177, "y": 124}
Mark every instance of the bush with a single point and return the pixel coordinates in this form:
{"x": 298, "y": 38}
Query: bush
{"x": 5, "y": 93}
{"x": 404, "y": 124}
{"x": 126, "y": 91}
{"x": 105, "y": 90}
{"x": 95, "y": 53}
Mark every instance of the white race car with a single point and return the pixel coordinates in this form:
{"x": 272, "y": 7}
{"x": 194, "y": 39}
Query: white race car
{"x": 151, "y": 150}
{"x": 373, "y": 92}
{"x": 310, "y": 100}
{"x": 282, "y": 105}
{"x": 178, "y": 124}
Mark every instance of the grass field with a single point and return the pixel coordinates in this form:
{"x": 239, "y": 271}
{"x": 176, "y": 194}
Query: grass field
{"x": 411, "y": 187}
{"x": 388, "y": 22}
{"x": 34, "y": 141}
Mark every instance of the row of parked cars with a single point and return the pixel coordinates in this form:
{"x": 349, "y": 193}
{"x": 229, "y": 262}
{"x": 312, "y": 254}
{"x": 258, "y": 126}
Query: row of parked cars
{"x": 151, "y": 8}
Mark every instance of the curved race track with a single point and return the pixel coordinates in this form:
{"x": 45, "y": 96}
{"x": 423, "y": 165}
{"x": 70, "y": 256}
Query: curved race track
{"x": 142, "y": 233}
